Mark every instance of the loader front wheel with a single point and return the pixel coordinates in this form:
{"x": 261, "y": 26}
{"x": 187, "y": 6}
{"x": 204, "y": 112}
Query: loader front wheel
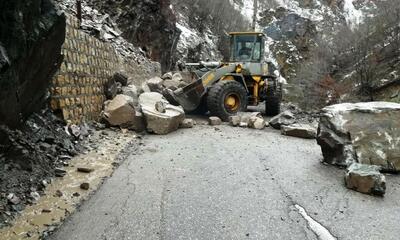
{"x": 273, "y": 101}
{"x": 226, "y": 98}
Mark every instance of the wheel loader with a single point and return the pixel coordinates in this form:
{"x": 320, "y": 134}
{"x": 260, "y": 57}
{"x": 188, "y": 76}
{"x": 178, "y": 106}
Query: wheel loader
{"x": 227, "y": 88}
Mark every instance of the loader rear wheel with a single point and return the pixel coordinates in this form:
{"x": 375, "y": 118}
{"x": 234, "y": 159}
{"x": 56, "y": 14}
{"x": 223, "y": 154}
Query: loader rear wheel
{"x": 226, "y": 98}
{"x": 273, "y": 100}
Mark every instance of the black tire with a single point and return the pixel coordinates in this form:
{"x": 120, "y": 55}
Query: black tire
{"x": 202, "y": 108}
{"x": 273, "y": 100}
{"x": 217, "y": 97}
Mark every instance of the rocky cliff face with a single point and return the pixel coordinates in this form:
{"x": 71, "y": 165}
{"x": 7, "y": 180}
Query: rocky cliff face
{"x": 31, "y": 35}
{"x": 149, "y": 25}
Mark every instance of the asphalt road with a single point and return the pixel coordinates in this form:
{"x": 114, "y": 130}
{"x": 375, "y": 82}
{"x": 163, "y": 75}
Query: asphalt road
{"x": 230, "y": 183}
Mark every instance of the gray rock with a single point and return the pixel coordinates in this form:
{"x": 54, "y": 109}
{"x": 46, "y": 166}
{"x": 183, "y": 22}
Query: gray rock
{"x": 256, "y": 122}
{"x": 171, "y": 84}
{"x": 283, "y": 119}
{"x": 177, "y": 77}
{"x": 366, "y": 133}
{"x": 85, "y": 186}
{"x": 13, "y": 199}
{"x": 214, "y": 121}
{"x": 234, "y": 120}
{"x": 299, "y": 130}
{"x": 121, "y": 77}
{"x": 121, "y": 112}
{"x": 145, "y": 88}
{"x": 167, "y": 75}
{"x": 111, "y": 89}
{"x": 131, "y": 91}
{"x": 365, "y": 179}
{"x": 155, "y": 84}
{"x": 187, "y": 123}
{"x": 157, "y": 122}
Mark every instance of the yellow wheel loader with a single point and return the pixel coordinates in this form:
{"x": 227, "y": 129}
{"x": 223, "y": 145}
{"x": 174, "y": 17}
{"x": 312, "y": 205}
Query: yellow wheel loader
{"x": 227, "y": 88}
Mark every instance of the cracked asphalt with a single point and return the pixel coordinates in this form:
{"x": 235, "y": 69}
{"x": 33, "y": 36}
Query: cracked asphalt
{"x": 230, "y": 183}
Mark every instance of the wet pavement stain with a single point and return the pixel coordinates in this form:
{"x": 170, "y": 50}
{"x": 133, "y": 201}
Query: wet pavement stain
{"x": 63, "y": 195}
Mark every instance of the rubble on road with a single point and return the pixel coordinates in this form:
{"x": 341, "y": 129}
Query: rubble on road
{"x": 158, "y": 122}
{"x": 214, "y": 121}
{"x": 234, "y": 120}
{"x": 366, "y": 133}
{"x": 300, "y": 131}
{"x": 187, "y": 123}
{"x": 365, "y": 179}
{"x": 283, "y": 119}
{"x": 256, "y": 123}
{"x": 155, "y": 84}
{"x": 121, "y": 112}
{"x": 85, "y": 186}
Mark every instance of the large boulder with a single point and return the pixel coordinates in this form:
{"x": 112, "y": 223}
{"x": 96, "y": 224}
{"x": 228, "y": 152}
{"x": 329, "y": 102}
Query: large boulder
{"x": 122, "y": 112}
{"x": 31, "y": 36}
{"x": 367, "y": 133}
{"x": 155, "y": 84}
{"x": 160, "y": 122}
{"x": 283, "y": 119}
{"x": 300, "y": 131}
{"x": 365, "y": 179}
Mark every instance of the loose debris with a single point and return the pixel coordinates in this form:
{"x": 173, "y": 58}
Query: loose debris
{"x": 187, "y": 123}
{"x": 214, "y": 121}
{"x": 31, "y": 156}
{"x": 365, "y": 179}
{"x": 300, "y": 131}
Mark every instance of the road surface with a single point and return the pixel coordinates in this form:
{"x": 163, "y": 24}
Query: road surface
{"x": 230, "y": 183}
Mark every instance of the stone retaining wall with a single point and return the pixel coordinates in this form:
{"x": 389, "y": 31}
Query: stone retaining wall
{"x": 77, "y": 91}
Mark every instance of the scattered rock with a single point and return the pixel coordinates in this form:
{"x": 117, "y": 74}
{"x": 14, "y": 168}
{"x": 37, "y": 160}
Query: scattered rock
{"x": 167, "y": 75}
{"x": 256, "y": 122}
{"x": 74, "y": 130}
{"x": 85, "y": 186}
{"x": 46, "y": 211}
{"x": 13, "y": 199}
{"x": 157, "y": 122}
{"x": 131, "y": 91}
{"x": 243, "y": 124}
{"x": 234, "y": 120}
{"x": 60, "y": 172}
{"x": 155, "y": 84}
{"x": 300, "y": 131}
{"x": 365, "y": 179}
{"x": 122, "y": 112}
{"x": 59, "y": 193}
{"x": 177, "y": 77}
{"x": 187, "y": 123}
{"x": 366, "y": 133}
{"x": 35, "y": 196}
{"x": 214, "y": 121}
{"x": 283, "y": 119}
{"x": 171, "y": 84}
{"x": 85, "y": 169}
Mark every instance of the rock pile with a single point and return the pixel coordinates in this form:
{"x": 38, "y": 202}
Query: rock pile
{"x": 248, "y": 119}
{"x": 31, "y": 156}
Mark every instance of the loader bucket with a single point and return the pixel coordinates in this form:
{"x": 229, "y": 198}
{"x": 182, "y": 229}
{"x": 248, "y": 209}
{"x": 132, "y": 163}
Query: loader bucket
{"x": 189, "y": 97}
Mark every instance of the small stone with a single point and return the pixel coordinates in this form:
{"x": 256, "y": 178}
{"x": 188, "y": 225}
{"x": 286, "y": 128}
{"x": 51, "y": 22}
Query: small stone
{"x": 365, "y": 179}
{"x": 85, "y": 169}
{"x": 60, "y": 172}
{"x": 284, "y": 119}
{"x": 214, "y": 121}
{"x": 300, "y": 131}
{"x": 256, "y": 123}
{"x": 35, "y": 196}
{"x": 243, "y": 124}
{"x": 59, "y": 193}
{"x": 187, "y": 123}
{"x": 76, "y": 194}
{"x": 234, "y": 120}
{"x": 46, "y": 211}
{"x": 166, "y": 76}
{"x": 161, "y": 107}
{"x": 85, "y": 186}
{"x": 13, "y": 199}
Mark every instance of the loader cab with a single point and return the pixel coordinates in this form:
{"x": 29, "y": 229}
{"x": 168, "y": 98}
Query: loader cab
{"x": 247, "y": 46}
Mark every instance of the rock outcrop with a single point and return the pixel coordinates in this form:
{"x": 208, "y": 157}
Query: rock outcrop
{"x": 31, "y": 36}
{"x": 367, "y": 133}
{"x": 365, "y": 179}
{"x": 160, "y": 122}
